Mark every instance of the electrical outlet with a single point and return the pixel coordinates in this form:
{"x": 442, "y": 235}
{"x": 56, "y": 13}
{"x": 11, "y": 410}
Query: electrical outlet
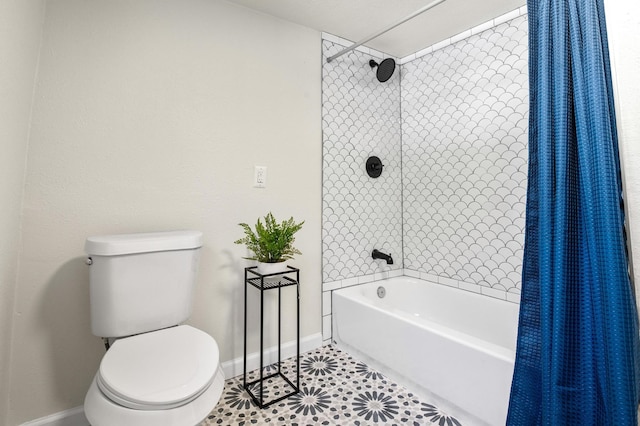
{"x": 260, "y": 176}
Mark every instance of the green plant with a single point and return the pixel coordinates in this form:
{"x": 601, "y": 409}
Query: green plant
{"x": 271, "y": 242}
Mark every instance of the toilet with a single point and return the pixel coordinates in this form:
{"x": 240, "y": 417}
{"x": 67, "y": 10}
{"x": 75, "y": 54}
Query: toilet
{"x": 158, "y": 371}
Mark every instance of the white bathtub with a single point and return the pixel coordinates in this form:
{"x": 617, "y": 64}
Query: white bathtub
{"x": 452, "y": 347}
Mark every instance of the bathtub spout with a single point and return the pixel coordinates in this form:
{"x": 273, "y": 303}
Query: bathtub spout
{"x": 379, "y": 255}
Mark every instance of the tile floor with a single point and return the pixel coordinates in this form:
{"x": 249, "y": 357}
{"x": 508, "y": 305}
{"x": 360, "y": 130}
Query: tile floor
{"x": 335, "y": 389}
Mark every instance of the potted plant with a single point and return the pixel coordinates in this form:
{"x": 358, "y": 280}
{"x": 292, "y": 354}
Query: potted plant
{"x": 271, "y": 243}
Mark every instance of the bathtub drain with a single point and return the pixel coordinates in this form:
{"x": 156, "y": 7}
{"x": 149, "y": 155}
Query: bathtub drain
{"x": 381, "y": 292}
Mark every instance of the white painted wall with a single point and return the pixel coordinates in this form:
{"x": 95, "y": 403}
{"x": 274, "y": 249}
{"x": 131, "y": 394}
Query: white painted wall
{"x": 150, "y": 115}
{"x": 623, "y": 21}
{"x": 20, "y": 34}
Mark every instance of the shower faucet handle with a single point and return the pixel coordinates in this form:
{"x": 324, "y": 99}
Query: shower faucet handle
{"x": 374, "y": 166}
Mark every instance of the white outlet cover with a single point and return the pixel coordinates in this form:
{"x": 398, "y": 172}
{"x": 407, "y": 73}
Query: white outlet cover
{"x": 260, "y": 176}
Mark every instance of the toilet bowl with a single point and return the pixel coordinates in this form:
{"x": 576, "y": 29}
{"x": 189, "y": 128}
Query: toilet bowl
{"x": 170, "y": 377}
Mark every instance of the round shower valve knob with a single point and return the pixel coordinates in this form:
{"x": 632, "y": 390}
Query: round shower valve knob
{"x": 374, "y": 167}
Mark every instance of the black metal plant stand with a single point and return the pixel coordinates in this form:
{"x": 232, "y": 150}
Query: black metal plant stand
{"x": 265, "y": 283}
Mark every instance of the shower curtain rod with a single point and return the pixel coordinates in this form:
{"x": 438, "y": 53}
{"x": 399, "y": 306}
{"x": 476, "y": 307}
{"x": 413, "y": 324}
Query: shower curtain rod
{"x": 389, "y": 28}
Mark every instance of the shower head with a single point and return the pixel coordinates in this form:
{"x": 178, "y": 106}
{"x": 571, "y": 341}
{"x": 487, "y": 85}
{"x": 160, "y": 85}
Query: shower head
{"x": 385, "y": 69}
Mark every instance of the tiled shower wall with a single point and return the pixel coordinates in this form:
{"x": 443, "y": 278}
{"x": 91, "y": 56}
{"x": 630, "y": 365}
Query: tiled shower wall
{"x": 464, "y": 158}
{"x": 451, "y": 130}
{"x": 360, "y": 118}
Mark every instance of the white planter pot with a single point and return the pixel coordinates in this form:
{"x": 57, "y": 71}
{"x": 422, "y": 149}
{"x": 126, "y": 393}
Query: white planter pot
{"x": 271, "y": 268}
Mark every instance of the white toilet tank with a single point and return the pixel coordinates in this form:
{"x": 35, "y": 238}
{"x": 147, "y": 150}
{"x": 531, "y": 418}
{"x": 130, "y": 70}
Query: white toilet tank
{"x": 141, "y": 282}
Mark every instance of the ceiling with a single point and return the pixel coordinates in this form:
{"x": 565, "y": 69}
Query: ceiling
{"x": 358, "y": 19}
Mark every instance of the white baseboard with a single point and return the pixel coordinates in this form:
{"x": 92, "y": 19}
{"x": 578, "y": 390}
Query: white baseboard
{"x": 234, "y": 367}
{"x": 71, "y": 417}
{"x": 75, "y": 416}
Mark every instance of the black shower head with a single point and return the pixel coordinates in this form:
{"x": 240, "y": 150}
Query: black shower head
{"x": 385, "y": 69}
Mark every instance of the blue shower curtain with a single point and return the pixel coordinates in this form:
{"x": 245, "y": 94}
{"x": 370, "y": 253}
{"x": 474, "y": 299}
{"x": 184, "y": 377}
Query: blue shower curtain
{"x": 577, "y": 352}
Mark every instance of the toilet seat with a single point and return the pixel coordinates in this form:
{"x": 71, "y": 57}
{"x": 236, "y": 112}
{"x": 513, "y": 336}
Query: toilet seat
{"x": 159, "y": 370}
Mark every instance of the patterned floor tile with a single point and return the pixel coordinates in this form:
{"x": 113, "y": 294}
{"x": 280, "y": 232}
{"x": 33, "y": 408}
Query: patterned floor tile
{"x": 335, "y": 389}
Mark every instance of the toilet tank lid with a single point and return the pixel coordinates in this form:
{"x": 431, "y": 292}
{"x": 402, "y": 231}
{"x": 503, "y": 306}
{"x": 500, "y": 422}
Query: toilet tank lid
{"x": 114, "y": 245}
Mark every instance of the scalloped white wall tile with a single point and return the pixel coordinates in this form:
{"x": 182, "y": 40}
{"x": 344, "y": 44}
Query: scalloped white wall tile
{"x": 361, "y": 117}
{"x": 464, "y": 144}
{"x": 451, "y": 130}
